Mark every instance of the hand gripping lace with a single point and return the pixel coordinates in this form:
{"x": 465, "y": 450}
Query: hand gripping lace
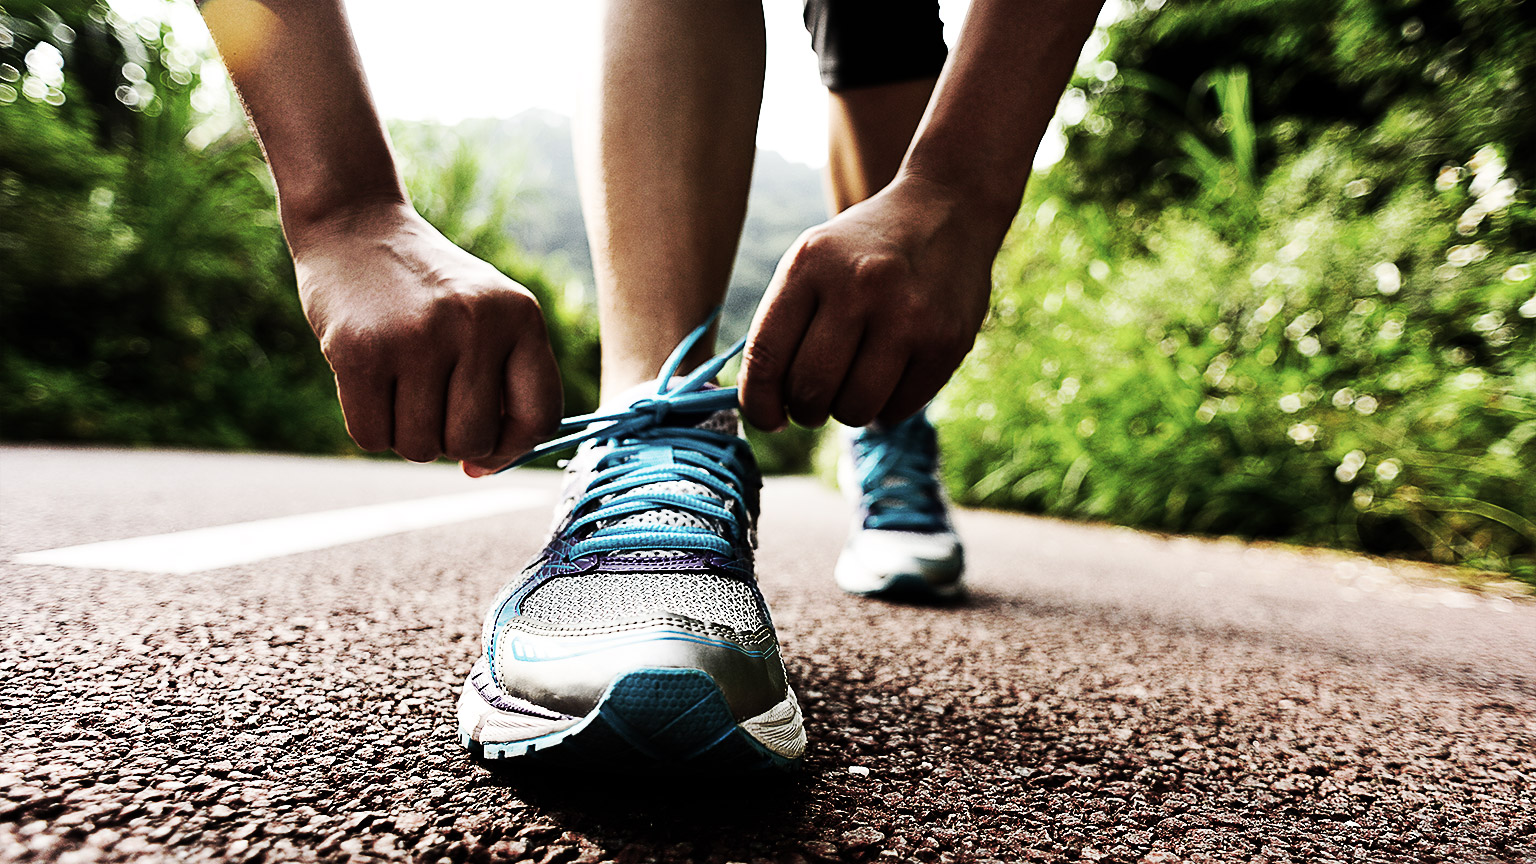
{"x": 897, "y": 470}
{"x": 647, "y": 451}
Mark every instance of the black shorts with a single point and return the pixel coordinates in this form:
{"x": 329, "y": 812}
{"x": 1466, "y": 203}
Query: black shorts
{"x": 865, "y": 43}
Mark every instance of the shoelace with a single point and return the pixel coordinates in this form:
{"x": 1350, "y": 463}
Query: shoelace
{"x": 896, "y": 469}
{"x": 646, "y": 450}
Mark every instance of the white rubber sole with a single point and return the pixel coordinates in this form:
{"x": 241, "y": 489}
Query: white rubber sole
{"x": 941, "y": 582}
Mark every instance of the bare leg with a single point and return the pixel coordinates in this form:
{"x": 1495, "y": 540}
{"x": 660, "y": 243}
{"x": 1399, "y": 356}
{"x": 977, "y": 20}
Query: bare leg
{"x": 664, "y": 167}
{"x": 870, "y": 129}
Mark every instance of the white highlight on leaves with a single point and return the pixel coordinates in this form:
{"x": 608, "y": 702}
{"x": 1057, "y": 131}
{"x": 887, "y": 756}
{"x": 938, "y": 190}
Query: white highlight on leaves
{"x": 1389, "y": 280}
{"x": 1350, "y": 466}
{"x": 1469, "y": 253}
{"x": 1303, "y": 433}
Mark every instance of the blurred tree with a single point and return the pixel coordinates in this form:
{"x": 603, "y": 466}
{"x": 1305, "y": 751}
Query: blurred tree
{"x": 147, "y": 295}
{"x": 1425, "y": 83}
{"x": 1282, "y": 285}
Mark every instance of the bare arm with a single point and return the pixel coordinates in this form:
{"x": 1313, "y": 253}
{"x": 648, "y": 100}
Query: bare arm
{"x": 871, "y": 312}
{"x": 994, "y": 100}
{"x": 435, "y": 352}
{"x": 298, "y": 74}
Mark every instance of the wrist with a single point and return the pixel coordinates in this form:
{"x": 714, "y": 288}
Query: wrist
{"x": 307, "y": 224}
{"x": 978, "y": 214}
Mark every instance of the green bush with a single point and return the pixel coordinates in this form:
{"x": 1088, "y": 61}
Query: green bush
{"x": 147, "y": 294}
{"x": 1352, "y": 370}
{"x": 1427, "y": 82}
{"x": 1281, "y": 286}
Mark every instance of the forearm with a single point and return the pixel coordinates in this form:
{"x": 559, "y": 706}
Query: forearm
{"x": 994, "y": 100}
{"x": 299, "y": 77}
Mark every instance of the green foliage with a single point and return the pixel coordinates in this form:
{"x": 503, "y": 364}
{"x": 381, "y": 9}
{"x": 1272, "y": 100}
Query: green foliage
{"x": 1353, "y": 372}
{"x": 1425, "y": 81}
{"x": 1280, "y": 287}
{"x": 147, "y": 294}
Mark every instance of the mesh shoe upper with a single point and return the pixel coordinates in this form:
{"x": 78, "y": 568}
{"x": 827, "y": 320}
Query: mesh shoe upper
{"x": 896, "y": 469}
{"x": 673, "y": 537}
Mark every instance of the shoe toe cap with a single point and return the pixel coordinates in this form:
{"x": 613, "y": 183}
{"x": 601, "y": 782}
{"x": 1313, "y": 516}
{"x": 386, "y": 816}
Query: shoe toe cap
{"x": 569, "y": 669}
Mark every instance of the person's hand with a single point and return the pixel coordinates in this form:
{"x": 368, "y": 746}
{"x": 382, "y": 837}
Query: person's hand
{"x": 870, "y": 313}
{"x": 436, "y": 353}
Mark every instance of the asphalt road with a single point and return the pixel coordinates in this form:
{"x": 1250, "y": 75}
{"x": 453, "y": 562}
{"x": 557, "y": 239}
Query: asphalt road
{"x": 1105, "y": 695}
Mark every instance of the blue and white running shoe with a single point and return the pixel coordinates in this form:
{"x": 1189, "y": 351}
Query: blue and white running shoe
{"x": 638, "y": 639}
{"x": 902, "y": 543}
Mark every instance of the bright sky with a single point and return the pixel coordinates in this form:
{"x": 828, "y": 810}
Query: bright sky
{"x": 495, "y": 58}
{"x": 492, "y": 58}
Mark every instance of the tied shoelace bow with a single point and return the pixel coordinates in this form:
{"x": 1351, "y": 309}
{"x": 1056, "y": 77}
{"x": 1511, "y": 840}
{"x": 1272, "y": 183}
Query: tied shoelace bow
{"x": 647, "y": 450}
{"x": 896, "y": 468}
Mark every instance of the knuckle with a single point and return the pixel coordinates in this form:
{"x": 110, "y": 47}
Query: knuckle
{"x": 809, "y": 396}
{"x": 523, "y": 300}
{"x": 761, "y": 357}
{"x": 877, "y": 270}
{"x": 812, "y": 250}
{"x": 462, "y": 307}
{"x": 350, "y": 348}
{"x": 811, "y": 242}
{"x": 458, "y": 305}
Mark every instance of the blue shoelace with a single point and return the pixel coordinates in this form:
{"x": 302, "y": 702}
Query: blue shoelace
{"x": 897, "y": 470}
{"x": 646, "y": 450}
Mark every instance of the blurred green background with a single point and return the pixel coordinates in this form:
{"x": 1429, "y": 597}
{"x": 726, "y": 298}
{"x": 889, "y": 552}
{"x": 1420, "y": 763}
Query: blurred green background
{"x": 1280, "y": 286}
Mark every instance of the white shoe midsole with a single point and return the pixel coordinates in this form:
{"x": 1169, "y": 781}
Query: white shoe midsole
{"x": 780, "y": 728}
{"x": 487, "y": 724}
{"x": 855, "y": 574}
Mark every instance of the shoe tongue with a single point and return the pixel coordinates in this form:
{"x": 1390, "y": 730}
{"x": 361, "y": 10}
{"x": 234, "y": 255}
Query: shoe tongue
{"x": 725, "y": 422}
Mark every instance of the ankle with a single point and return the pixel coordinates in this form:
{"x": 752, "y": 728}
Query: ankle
{"x": 621, "y": 374}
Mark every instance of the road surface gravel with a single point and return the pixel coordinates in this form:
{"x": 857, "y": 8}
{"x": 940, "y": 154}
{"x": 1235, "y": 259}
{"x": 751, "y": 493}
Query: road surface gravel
{"x": 1105, "y": 695}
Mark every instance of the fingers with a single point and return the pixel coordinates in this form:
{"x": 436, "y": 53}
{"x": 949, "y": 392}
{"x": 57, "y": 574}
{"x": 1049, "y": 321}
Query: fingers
{"x": 925, "y": 375}
{"x": 867, "y": 388}
{"x": 772, "y": 344}
{"x": 367, "y": 403}
{"x": 474, "y": 408}
{"x": 420, "y": 408}
{"x": 820, "y": 367}
{"x": 532, "y": 402}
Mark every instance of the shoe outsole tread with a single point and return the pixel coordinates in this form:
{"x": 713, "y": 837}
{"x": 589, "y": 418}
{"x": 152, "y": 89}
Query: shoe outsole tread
{"x": 670, "y": 720}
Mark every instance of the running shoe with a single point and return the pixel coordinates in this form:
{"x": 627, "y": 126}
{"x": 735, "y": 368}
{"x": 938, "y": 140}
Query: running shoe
{"x": 902, "y": 543}
{"x": 638, "y": 639}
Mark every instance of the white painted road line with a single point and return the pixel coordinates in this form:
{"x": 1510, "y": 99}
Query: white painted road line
{"x": 244, "y": 542}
